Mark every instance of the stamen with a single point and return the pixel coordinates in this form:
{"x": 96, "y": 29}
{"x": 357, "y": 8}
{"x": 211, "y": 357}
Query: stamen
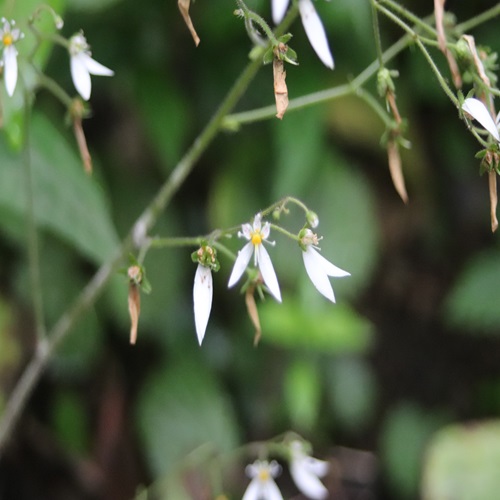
{"x": 7, "y": 39}
{"x": 256, "y": 239}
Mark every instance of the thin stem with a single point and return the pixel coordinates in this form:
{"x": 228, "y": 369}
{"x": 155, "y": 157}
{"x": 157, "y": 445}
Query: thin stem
{"x": 417, "y": 21}
{"x": 442, "y": 82}
{"x": 233, "y": 121}
{"x": 376, "y": 34}
{"x": 33, "y": 250}
{"x": 473, "y": 22}
{"x": 376, "y": 106}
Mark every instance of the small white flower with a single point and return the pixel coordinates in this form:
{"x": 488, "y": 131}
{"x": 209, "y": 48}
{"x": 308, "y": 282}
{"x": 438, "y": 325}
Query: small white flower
{"x": 306, "y": 471}
{"x": 9, "y": 36}
{"x": 479, "y": 112}
{"x": 256, "y": 234}
{"x": 317, "y": 267}
{"x": 312, "y": 25}
{"x": 262, "y": 485}
{"x": 202, "y": 299}
{"x": 82, "y": 65}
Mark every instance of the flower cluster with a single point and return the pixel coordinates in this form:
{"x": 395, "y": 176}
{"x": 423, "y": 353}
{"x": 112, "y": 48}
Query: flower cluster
{"x": 257, "y": 233}
{"x": 304, "y": 470}
{"x": 312, "y": 25}
{"x": 81, "y": 63}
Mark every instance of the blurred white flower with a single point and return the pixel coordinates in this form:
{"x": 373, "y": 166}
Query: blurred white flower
{"x": 9, "y": 36}
{"x": 202, "y": 299}
{"x": 262, "y": 485}
{"x": 475, "y": 108}
{"x": 306, "y": 471}
{"x": 82, "y": 65}
{"x": 256, "y": 234}
{"x": 312, "y": 25}
{"x": 317, "y": 267}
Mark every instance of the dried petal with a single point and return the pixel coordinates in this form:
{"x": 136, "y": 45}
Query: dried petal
{"x": 134, "y": 309}
{"x": 396, "y": 169}
{"x": 184, "y": 8}
{"x": 280, "y": 88}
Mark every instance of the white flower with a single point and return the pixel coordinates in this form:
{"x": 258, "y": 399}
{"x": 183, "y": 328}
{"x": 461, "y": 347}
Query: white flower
{"x": 262, "y": 485}
{"x": 306, "y": 470}
{"x": 478, "y": 111}
{"x": 256, "y": 234}
{"x": 9, "y": 36}
{"x": 202, "y": 299}
{"x": 312, "y": 25}
{"x": 317, "y": 267}
{"x": 82, "y": 65}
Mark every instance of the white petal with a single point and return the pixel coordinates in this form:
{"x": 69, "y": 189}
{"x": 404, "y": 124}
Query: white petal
{"x": 253, "y": 491}
{"x": 279, "y": 9}
{"x": 270, "y": 491}
{"x": 306, "y": 480}
{"x": 10, "y": 66}
{"x": 266, "y": 230}
{"x": 267, "y": 271}
{"x": 247, "y": 229}
{"x": 95, "y": 68}
{"x": 317, "y": 467}
{"x": 241, "y": 263}
{"x": 317, "y": 274}
{"x": 202, "y": 299}
{"x": 328, "y": 267}
{"x": 315, "y": 32}
{"x": 80, "y": 75}
{"x": 478, "y": 111}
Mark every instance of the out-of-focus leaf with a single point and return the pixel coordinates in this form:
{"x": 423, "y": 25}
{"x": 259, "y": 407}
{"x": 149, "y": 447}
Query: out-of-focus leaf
{"x": 462, "y": 462}
{"x": 165, "y": 115}
{"x": 332, "y": 328}
{"x": 181, "y": 409}
{"x": 67, "y": 202}
{"x": 91, "y": 5}
{"x": 352, "y": 391}
{"x": 406, "y": 430}
{"x": 470, "y": 304}
{"x": 70, "y": 422}
{"x": 61, "y": 281}
{"x": 302, "y": 388}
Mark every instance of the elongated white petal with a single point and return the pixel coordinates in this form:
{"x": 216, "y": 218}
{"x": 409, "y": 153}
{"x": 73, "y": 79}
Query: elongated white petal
{"x": 10, "y": 67}
{"x": 315, "y": 32}
{"x": 95, "y": 68}
{"x": 202, "y": 299}
{"x": 270, "y": 491}
{"x": 328, "y": 267}
{"x": 307, "y": 480}
{"x": 315, "y": 466}
{"x": 253, "y": 491}
{"x": 241, "y": 263}
{"x": 317, "y": 274}
{"x": 278, "y": 8}
{"x": 479, "y": 112}
{"x": 80, "y": 75}
{"x": 267, "y": 271}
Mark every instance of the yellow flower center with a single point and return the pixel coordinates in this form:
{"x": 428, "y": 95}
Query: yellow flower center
{"x": 7, "y": 39}
{"x": 256, "y": 238}
{"x": 264, "y": 475}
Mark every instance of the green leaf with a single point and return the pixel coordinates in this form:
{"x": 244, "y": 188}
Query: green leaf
{"x": 302, "y": 390}
{"x": 352, "y": 391}
{"x": 332, "y": 328}
{"x": 67, "y": 202}
{"x": 462, "y": 462}
{"x": 183, "y": 411}
{"x": 471, "y": 303}
{"x": 406, "y": 430}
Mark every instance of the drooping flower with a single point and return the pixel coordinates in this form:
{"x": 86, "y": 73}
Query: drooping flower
{"x": 262, "y": 485}
{"x": 82, "y": 65}
{"x": 306, "y": 471}
{"x": 475, "y": 108}
{"x": 203, "y": 287}
{"x": 313, "y": 27}
{"x": 317, "y": 267}
{"x": 256, "y": 234}
{"x": 9, "y": 36}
